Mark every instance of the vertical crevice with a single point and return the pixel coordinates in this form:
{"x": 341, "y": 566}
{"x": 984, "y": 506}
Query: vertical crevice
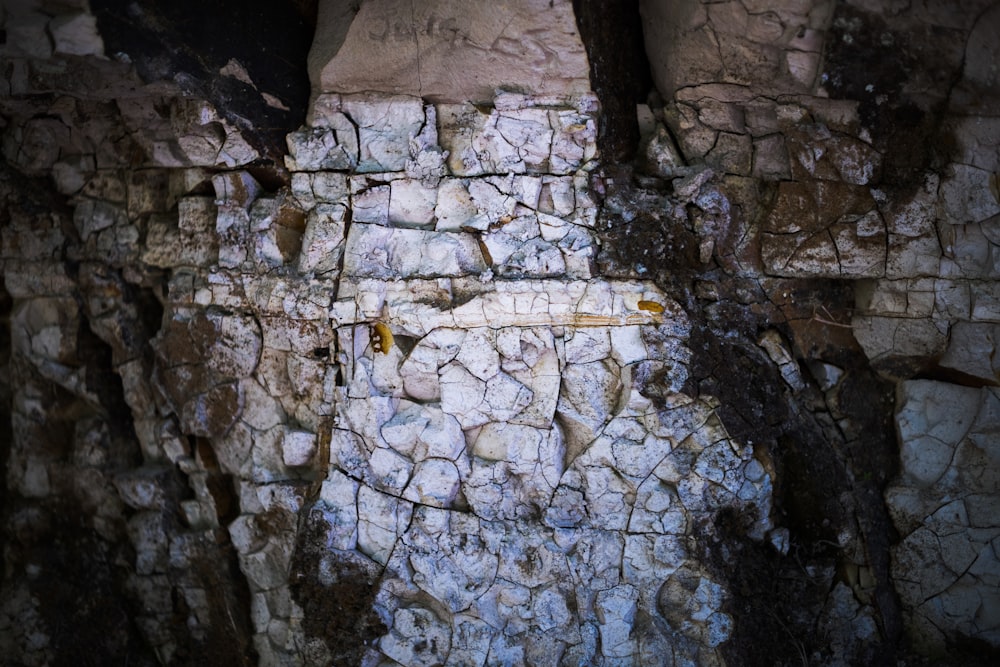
{"x": 6, "y": 417}
{"x": 619, "y": 71}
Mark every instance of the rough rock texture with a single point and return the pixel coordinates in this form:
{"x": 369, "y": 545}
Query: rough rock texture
{"x": 245, "y": 57}
{"x": 425, "y": 373}
{"x": 449, "y": 50}
{"x": 882, "y": 174}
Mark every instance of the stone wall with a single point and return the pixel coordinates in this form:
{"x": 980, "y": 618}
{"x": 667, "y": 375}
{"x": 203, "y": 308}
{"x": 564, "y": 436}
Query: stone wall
{"x": 884, "y": 175}
{"x": 446, "y": 386}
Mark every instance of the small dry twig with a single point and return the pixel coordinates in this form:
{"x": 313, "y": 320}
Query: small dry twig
{"x": 828, "y": 319}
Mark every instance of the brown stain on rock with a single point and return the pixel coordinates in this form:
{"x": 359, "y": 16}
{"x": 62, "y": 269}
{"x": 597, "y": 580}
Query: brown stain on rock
{"x": 338, "y": 611}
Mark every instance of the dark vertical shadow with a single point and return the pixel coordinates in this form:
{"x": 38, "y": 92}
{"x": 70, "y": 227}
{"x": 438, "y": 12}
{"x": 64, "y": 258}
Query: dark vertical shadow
{"x": 189, "y": 41}
{"x": 619, "y": 71}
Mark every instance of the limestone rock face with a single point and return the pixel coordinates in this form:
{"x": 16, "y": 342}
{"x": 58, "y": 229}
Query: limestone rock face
{"x": 435, "y": 382}
{"x": 944, "y": 504}
{"x": 747, "y": 94}
{"x": 450, "y": 50}
{"x": 490, "y": 446}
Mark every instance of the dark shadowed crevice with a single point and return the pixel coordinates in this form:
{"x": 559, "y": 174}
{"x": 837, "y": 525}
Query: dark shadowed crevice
{"x": 90, "y": 620}
{"x": 871, "y": 61}
{"x": 82, "y": 580}
{"x": 619, "y": 71}
{"x": 6, "y": 398}
{"x": 210, "y": 562}
{"x": 230, "y": 641}
{"x": 189, "y": 42}
{"x": 220, "y": 485}
{"x": 150, "y": 311}
{"x": 106, "y": 384}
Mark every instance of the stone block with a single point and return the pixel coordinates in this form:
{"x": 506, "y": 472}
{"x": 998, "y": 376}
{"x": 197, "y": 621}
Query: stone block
{"x": 145, "y": 488}
{"x": 972, "y": 350}
{"x": 932, "y": 420}
{"x": 382, "y": 252}
{"x": 76, "y": 34}
{"x": 411, "y": 204}
{"x": 446, "y": 52}
{"x": 966, "y": 194}
{"x": 298, "y": 448}
{"x": 887, "y": 337}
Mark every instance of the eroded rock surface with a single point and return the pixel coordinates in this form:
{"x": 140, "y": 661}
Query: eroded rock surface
{"x": 434, "y": 381}
{"x": 869, "y": 174}
{"x": 449, "y": 51}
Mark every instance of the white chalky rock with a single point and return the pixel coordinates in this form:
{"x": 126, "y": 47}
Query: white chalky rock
{"x": 322, "y": 243}
{"x": 411, "y": 203}
{"x": 658, "y": 510}
{"x": 557, "y": 197}
{"x": 389, "y": 470}
{"x": 418, "y": 638}
{"x": 529, "y": 356}
{"x": 522, "y": 303}
{"x": 776, "y": 349}
{"x": 452, "y": 555}
{"x": 591, "y": 394}
{"x": 455, "y": 208}
{"x": 311, "y": 188}
{"x": 401, "y": 432}
{"x": 260, "y": 410}
{"x": 966, "y": 195}
{"x": 972, "y": 350}
{"x": 535, "y": 257}
{"x": 267, "y": 459}
{"x": 382, "y": 519}
{"x": 423, "y": 431}
{"x": 440, "y": 51}
{"x": 934, "y": 418}
{"x": 471, "y": 640}
{"x": 462, "y": 395}
{"x": 421, "y": 367}
{"x": 884, "y": 337}
{"x": 435, "y": 482}
{"x": 506, "y": 397}
{"x": 298, "y": 448}
{"x": 339, "y": 495}
{"x": 551, "y": 610}
{"x": 495, "y": 459}
{"x": 515, "y": 137}
{"x": 235, "y": 349}
{"x": 91, "y": 216}
{"x": 478, "y": 354}
{"x": 370, "y": 200}
{"x": 385, "y": 126}
{"x": 945, "y": 504}
{"x": 383, "y": 252}
{"x": 493, "y": 205}
{"x": 616, "y": 610}
{"x": 514, "y": 470}
{"x": 333, "y": 146}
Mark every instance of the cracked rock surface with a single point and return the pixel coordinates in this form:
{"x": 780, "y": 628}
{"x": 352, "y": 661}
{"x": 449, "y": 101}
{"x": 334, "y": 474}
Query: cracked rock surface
{"x": 438, "y": 370}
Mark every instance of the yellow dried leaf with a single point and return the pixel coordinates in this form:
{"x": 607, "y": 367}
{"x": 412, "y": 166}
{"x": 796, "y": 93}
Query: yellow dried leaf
{"x": 381, "y": 337}
{"x": 486, "y": 253}
{"x": 651, "y": 306}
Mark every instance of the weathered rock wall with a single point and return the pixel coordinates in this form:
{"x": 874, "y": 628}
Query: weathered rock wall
{"x": 448, "y": 386}
{"x": 882, "y": 174}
